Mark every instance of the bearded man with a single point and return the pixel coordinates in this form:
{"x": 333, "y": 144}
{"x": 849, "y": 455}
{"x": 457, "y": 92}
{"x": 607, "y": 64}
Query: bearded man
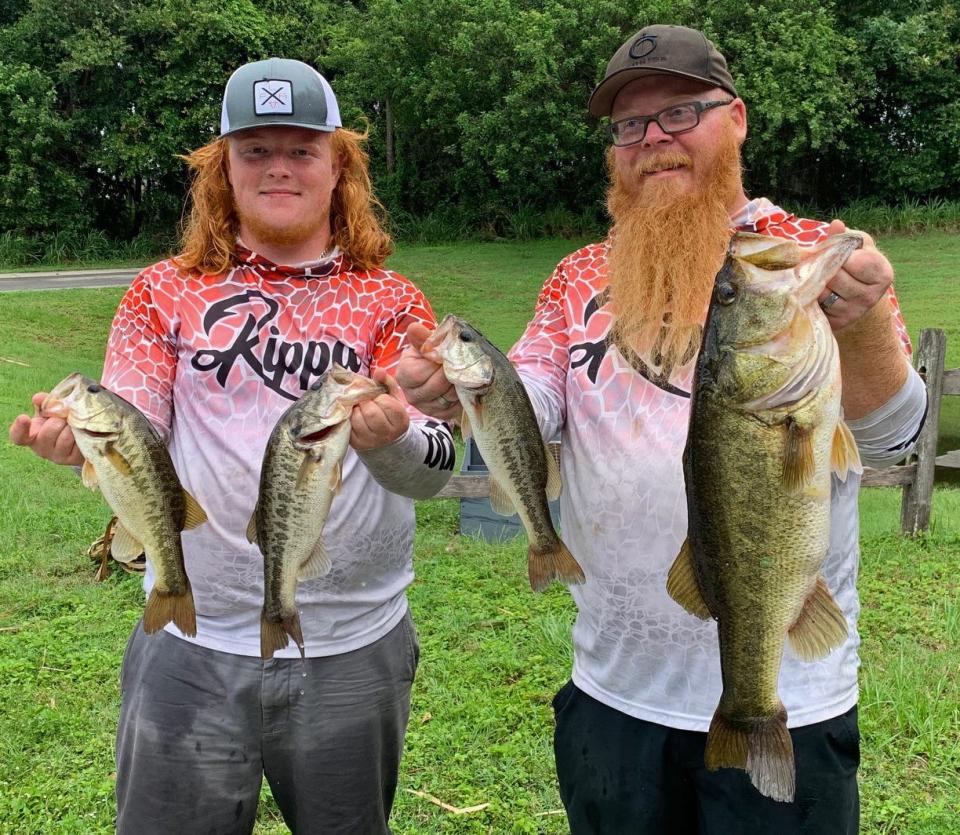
{"x": 280, "y": 276}
{"x": 608, "y": 363}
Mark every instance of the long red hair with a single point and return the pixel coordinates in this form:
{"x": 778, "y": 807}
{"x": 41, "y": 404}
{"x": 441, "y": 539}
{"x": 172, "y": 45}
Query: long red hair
{"x": 208, "y": 242}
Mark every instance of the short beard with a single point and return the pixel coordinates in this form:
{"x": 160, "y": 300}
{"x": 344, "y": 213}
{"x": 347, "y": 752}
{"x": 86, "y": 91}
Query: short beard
{"x": 665, "y": 253}
{"x": 282, "y": 236}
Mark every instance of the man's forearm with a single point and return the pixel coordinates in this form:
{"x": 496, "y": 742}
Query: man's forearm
{"x": 872, "y": 361}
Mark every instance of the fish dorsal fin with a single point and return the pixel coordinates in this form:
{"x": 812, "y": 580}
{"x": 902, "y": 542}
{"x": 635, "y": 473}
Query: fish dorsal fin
{"x": 252, "y": 527}
{"x": 307, "y": 466}
{"x": 844, "y": 455}
{"x": 465, "y": 429}
{"x": 316, "y": 565}
{"x": 500, "y": 501}
{"x": 194, "y": 515}
{"x": 112, "y": 454}
{"x": 125, "y": 547}
{"x": 821, "y": 626}
{"x": 88, "y": 475}
{"x": 682, "y": 584}
{"x": 554, "y": 481}
{"x": 798, "y": 462}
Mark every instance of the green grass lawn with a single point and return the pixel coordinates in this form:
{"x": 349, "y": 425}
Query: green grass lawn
{"x": 493, "y": 652}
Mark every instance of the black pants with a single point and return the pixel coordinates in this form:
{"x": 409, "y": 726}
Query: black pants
{"x": 624, "y": 776}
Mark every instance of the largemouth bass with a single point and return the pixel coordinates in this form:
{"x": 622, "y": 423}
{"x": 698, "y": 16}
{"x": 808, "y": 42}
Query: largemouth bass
{"x": 498, "y": 415}
{"x": 127, "y": 460}
{"x": 299, "y": 477}
{"x": 766, "y": 431}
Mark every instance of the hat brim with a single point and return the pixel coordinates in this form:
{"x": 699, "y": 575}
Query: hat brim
{"x": 282, "y": 123}
{"x": 602, "y": 98}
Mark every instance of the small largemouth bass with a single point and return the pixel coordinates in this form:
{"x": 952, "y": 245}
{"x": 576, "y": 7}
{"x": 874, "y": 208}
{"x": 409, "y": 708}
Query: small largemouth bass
{"x": 128, "y": 461}
{"x": 765, "y": 433}
{"x": 299, "y": 477}
{"x": 498, "y": 414}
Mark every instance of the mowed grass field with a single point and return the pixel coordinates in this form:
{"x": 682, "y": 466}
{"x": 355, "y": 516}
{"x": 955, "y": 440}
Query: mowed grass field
{"x": 493, "y": 652}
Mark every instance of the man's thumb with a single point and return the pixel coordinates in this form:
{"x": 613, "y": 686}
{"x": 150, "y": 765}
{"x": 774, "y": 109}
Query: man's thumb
{"x": 417, "y": 335}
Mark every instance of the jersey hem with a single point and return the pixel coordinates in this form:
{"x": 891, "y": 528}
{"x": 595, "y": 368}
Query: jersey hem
{"x": 688, "y": 722}
{"x": 290, "y": 651}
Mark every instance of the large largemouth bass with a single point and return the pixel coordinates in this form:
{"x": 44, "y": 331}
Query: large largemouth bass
{"x": 498, "y": 414}
{"x": 298, "y": 479}
{"x": 765, "y": 433}
{"x": 128, "y": 461}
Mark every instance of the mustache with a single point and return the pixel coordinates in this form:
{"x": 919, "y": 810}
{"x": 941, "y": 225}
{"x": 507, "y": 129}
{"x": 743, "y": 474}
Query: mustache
{"x": 661, "y": 162}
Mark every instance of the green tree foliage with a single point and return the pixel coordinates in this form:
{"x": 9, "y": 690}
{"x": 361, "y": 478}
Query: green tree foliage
{"x": 476, "y": 108}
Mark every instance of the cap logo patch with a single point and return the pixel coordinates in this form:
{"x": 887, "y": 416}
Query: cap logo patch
{"x": 272, "y": 96}
{"x": 642, "y": 47}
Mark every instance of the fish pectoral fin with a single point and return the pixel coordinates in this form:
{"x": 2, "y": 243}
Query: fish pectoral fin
{"x": 465, "y": 429}
{"x": 336, "y": 477}
{"x": 821, "y": 626}
{"x": 799, "y": 465}
{"x": 112, "y": 454}
{"x": 554, "y": 481}
{"x": 252, "y": 533}
{"x": 316, "y": 565}
{"x": 682, "y": 584}
{"x": 89, "y": 475}
{"x": 307, "y": 466}
{"x": 500, "y": 501}
{"x": 124, "y": 547}
{"x": 844, "y": 455}
{"x": 194, "y": 515}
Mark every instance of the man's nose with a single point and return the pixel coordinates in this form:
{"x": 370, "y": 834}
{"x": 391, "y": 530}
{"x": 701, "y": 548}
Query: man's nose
{"x": 279, "y": 166}
{"x": 656, "y": 135}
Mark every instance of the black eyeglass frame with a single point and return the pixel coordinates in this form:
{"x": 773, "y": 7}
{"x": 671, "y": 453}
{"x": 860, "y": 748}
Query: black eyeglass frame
{"x": 698, "y": 107}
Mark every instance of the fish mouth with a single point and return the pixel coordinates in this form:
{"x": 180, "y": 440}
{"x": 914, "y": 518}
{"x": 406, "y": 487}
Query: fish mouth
{"x": 93, "y": 433}
{"x": 316, "y": 436}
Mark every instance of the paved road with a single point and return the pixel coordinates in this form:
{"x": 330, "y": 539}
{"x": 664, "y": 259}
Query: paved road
{"x": 63, "y": 279}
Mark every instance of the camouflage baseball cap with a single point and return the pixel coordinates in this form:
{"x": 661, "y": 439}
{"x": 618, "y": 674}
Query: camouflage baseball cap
{"x": 661, "y": 50}
{"x": 278, "y": 91}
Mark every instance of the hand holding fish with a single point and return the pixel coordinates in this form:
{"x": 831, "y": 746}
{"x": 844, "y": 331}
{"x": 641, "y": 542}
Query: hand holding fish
{"x": 381, "y": 421}
{"x": 858, "y": 285}
{"x": 423, "y": 381}
{"x": 48, "y": 437}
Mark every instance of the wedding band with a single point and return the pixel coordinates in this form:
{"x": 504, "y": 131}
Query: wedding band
{"x": 830, "y": 300}
{"x": 444, "y": 402}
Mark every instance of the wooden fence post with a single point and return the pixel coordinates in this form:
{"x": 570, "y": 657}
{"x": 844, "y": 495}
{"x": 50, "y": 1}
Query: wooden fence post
{"x": 917, "y": 496}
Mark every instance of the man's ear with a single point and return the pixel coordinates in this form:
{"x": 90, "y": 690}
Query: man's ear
{"x": 738, "y": 115}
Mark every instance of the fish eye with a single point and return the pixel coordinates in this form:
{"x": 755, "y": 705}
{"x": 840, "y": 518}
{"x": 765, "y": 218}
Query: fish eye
{"x": 725, "y": 293}
{"x": 465, "y": 337}
{"x": 94, "y": 388}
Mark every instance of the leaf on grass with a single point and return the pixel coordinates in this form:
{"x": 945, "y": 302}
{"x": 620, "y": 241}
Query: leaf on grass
{"x": 436, "y": 801}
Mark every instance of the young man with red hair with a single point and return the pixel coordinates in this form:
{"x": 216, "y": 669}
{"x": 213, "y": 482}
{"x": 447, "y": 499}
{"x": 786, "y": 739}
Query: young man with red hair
{"x": 280, "y": 276}
{"x": 608, "y": 361}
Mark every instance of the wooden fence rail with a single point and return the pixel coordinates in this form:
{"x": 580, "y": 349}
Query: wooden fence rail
{"x": 916, "y": 476}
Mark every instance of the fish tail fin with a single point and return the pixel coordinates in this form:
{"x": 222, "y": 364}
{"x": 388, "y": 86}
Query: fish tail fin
{"x": 763, "y": 749}
{"x": 275, "y": 635}
{"x": 555, "y": 563}
{"x": 163, "y": 607}
{"x": 821, "y": 626}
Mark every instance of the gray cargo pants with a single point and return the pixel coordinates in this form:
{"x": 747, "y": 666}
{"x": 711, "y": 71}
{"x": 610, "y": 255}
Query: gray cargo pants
{"x": 199, "y": 728}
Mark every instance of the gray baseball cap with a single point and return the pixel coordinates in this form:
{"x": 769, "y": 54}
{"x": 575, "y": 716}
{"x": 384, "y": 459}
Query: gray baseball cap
{"x": 278, "y": 91}
{"x": 661, "y": 50}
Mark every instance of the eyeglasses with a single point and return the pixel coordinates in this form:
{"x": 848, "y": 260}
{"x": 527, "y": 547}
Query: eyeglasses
{"x": 677, "y": 118}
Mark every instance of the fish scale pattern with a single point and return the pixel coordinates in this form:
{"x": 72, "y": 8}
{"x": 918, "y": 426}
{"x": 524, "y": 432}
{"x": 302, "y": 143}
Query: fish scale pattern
{"x": 623, "y": 507}
{"x": 213, "y": 362}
